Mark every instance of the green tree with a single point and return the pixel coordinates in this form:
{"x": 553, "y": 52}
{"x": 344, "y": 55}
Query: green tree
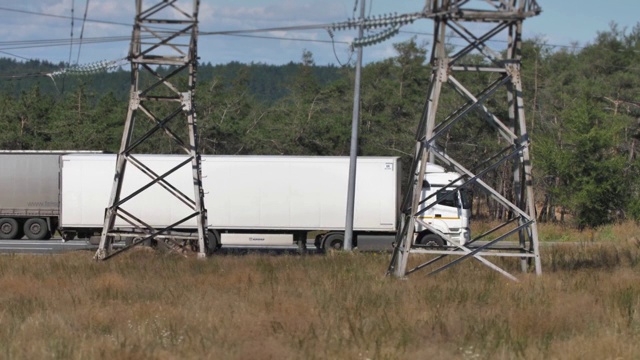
{"x": 592, "y": 173}
{"x": 24, "y": 120}
{"x": 393, "y": 96}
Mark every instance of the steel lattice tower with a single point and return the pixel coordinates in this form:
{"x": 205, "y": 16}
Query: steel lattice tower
{"x": 163, "y": 56}
{"x": 501, "y": 23}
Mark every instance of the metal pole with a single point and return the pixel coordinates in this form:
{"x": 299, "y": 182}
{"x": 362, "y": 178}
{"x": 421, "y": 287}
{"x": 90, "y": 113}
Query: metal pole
{"x": 351, "y": 192}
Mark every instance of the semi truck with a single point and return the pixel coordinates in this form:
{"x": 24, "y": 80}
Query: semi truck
{"x": 30, "y": 193}
{"x": 263, "y": 200}
{"x": 260, "y": 201}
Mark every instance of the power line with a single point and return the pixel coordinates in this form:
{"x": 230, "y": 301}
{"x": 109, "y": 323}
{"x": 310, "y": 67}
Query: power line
{"x": 84, "y": 20}
{"x": 11, "y": 45}
{"x": 27, "y": 44}
{"x": 73, "y": 5}
{"x": 63, "y": 16}
{"x": 20, "y": 44}
{"x": 232, "y": 32}
{"x": 14, "y": 55}
{"x": 333, "y": 46}
{"x": 31, "y": 44}
{"x": 235, "y": 32}
{"x": 23, "y": 76}
{"x": 496, "y": 40}
{"x": 286, "y": 38}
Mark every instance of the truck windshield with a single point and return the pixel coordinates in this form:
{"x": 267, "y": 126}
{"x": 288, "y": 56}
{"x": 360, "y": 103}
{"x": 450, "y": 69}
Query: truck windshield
{"x": 455, "y": 199}
{"x": 447, "y": 198}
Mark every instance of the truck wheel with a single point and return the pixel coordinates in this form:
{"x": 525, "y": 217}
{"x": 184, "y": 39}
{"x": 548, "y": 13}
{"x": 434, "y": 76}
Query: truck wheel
{"x": 213, "y": 241}
{"x": 8, "y": 228}
{"x": 36, "y": 229}
{"x": 334, "y": 241}
{"x": 430, "y": 240}
{"x": 68, "y": 235}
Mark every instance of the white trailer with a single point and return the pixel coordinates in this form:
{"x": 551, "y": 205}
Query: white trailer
{"x": 250, "y": 200}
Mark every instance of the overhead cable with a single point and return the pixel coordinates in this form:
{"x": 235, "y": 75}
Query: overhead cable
{"x": 63, "y": 16}
{"x": 73, "y": 4}
{"x": 84, "y": 21}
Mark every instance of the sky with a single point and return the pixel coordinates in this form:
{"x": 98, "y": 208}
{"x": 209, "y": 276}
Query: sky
{"x": 27, "y": 23}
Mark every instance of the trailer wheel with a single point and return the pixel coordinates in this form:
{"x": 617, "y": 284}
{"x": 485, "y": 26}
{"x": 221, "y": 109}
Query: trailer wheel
{"x": 213, "y": 241}
{"x": 36, "y": 229}
{"x": 333, "y": 241}
{"x": 430, "y": 240}
{"x": 9, "y": 228}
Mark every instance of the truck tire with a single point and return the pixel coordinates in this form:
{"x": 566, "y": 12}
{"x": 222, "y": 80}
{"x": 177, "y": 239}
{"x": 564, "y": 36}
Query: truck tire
{"x": 36, "y": 229}
{"x": 430, "y": 240}
{"x": 213, "y": 241}
{"x": 333, "y": 241}
{"x": 9, "y": 228}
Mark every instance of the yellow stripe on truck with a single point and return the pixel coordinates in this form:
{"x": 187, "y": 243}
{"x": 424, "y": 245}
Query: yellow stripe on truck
{"x": 439, "y": 217}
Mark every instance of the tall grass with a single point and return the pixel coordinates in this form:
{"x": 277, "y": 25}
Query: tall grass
{"x": 148, "y": 305}
{"x": 563, "y": 232}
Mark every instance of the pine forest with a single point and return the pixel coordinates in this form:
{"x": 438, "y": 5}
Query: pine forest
{"x": 582, "y": 111}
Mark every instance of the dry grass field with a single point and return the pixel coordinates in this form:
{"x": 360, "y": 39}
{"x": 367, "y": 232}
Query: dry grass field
{"x": 148, "y": 305}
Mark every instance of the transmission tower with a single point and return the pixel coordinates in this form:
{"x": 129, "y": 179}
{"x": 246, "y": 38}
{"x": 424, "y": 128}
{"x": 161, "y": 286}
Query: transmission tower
{"x": 488, "y": 72}
{"x": 163, "y": 56}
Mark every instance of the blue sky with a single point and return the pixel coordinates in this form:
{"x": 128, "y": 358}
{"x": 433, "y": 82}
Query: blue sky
{"x": 562, "y": 22}
{"x": 566, "y": 21}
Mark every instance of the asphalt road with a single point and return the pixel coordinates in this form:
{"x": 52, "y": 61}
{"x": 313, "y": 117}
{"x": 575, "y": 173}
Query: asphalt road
{"x": 52, "y": 246}
{"x": 57, "y": 246}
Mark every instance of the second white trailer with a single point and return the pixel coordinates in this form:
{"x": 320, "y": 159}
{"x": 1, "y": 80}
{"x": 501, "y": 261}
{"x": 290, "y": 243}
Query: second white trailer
{"x": 251, "y": 200}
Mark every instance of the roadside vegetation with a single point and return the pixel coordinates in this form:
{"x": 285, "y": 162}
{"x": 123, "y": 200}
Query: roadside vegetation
{"x": 146, "y": 304}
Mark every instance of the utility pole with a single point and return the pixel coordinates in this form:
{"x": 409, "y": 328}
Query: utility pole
{"x": 355, "y": 120}
{"x": 163, "y": 54}
{"x": 492, "y": 23}
{"x": 391, "y": 25}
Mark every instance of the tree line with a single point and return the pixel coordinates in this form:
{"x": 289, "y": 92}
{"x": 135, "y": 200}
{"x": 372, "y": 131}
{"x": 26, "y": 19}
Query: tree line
{"x": 582, "y": 108}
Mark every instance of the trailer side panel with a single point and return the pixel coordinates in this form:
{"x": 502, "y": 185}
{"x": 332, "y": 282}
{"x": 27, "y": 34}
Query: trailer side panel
{"x": 29, "y": 184}
{"x": 241, "y": 192}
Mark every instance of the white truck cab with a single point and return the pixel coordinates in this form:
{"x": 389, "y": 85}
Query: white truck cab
{"x": 448, "y": 211}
